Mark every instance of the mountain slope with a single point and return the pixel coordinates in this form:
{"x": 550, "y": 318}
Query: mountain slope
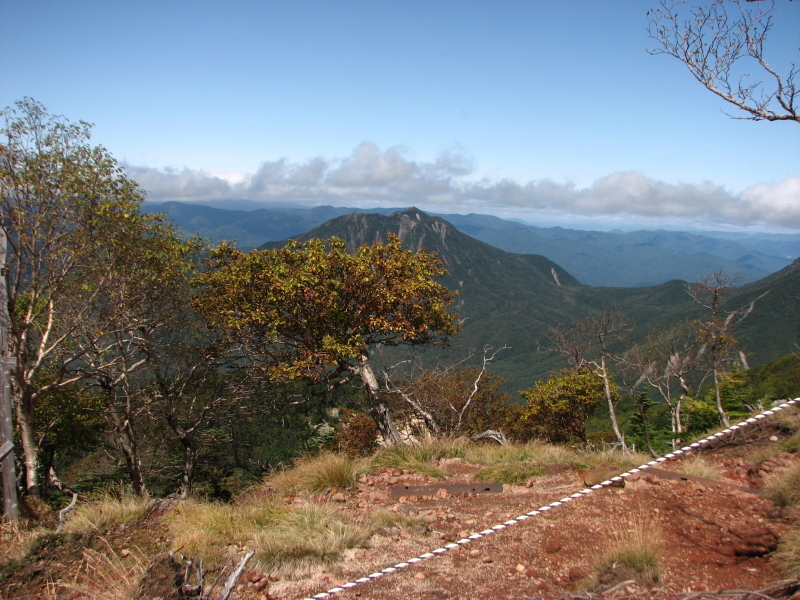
{"x": 772, "y": 330}
{"x": 505, "y": 298}
{"x": 515, "y": 299}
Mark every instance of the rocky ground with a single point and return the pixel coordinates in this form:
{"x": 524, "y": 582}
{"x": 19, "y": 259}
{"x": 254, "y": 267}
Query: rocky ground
{"x": 709, "y": 537}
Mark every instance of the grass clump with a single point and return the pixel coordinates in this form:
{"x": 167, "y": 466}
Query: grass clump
{"x": 305, "y": 537}
{"x": 788, "y": 554}
{"x": 206, "y": 528}
{"x": 419, "y": 458}
{"x": 517, "y": 463}
{"x": 111, "y": 506}
{"x": 784, "y": 488}
{"x": 624, "y": 460}
{"x": 315, "y": 474}
{"x": 632, "y": 545}
{"x": 286, "y": 539}
{"x": 552, "y": 454}
{"x": 509, "y": 473}
{"x": 697, "y": 467}
{"x": 106, "y": 575}
{"x": 389, "y": 519}
{"x": 18, "y": 539}
{"x": 485, "y": 454}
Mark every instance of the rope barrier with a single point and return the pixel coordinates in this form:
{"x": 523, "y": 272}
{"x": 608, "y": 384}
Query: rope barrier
{"x": 583, "y": 493}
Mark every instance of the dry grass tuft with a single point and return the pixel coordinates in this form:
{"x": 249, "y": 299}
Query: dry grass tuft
{"x": 624, "y": 460}
{"x": 485, "y": 454}
{"x": 697, "y": 467}
{"x": 418, "y": 458}
{"x": 390, "y": 520}
{"x": 315, "y": 474}
{"x": 509, "y": 473}
{"x": 107, "y": 575}
{"x": 517, "y": 463}
{"x": 788, "y": 554}
{"x": 633, "y": 543}
{"x": 784, "y": 488}
{"x": 553, "y": 454}
{"x": 112, "y": 506}
{"x": 206, "y": 529}
{"x": 306, "y": 537}
{"x": 17, "y": 539}
{"x": 286, "y": 539}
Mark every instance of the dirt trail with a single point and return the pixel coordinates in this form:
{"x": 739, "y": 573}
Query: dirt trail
{"x": 708, "y": 537}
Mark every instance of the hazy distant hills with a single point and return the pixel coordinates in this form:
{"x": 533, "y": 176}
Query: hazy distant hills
{"x": 637, "y": 258}
{"x": 622, "y": 259}
{"x": 516, "y": 299}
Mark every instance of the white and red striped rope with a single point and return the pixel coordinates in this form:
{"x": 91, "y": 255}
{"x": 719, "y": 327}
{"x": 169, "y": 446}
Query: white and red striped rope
{"x": 481, "y": 534}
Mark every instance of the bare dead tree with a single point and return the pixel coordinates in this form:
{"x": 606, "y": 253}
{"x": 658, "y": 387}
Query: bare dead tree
{"x": 587, "y": 344}
{"x": 442, "y": 411}
{"x": 665, "y": 362}
{"x": 720, "y": 42}
{"x": 715, "y": 331}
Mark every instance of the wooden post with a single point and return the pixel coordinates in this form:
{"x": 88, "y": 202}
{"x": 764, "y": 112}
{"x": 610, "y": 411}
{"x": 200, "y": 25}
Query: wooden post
{"x": 10, "y": 507}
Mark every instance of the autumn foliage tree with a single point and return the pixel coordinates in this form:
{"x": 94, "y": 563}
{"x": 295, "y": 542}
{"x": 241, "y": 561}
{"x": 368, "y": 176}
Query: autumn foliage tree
{"x": 313, "y": 311}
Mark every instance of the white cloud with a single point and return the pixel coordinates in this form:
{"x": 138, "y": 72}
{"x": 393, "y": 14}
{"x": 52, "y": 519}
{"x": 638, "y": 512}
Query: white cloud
{"x": 371, "y": 177}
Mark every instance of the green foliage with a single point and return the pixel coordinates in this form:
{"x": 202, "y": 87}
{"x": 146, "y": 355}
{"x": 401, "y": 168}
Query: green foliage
{"x": 557, "y": 409}
{"x": 639, "y": 429}
{"x": 307, "y": 309}
{"x": 760, "y": 386}
{"x": 700, "y": 413}
{"x": 84, "y": 266}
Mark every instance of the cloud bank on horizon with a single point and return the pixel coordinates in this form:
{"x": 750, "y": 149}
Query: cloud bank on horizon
{"x": 369, "y": 177}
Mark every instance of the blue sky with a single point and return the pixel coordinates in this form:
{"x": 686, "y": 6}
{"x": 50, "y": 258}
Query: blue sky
{"x": 545, "y": 111}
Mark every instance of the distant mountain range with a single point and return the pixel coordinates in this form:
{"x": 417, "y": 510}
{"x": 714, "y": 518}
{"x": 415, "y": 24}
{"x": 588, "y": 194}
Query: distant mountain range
{"x": 636, "y": 258}
{"x": 516, "y": 299}
{"x": 618, "y": 259}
